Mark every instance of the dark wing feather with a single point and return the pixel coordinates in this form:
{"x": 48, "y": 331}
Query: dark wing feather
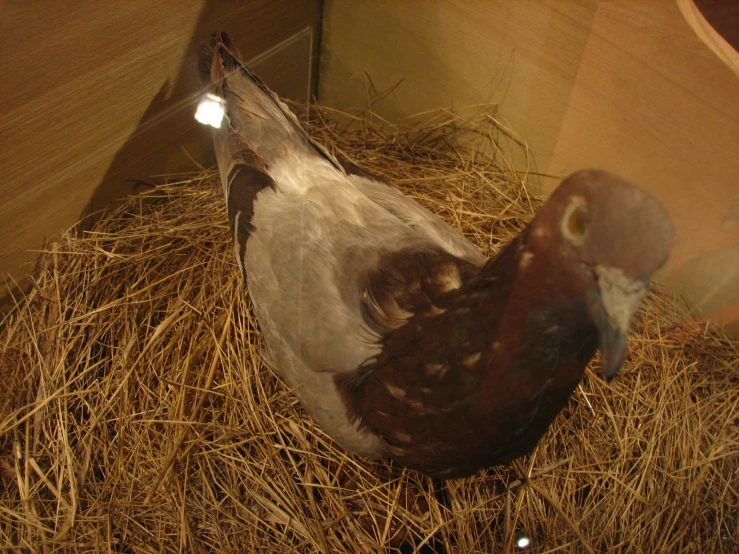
{"x": 410, "y": 283}
{"x": 243, "y": 177}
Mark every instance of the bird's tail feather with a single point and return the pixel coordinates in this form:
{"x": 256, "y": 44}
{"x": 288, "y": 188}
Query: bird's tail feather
{"x": 256, "y": 113}
{"x": 260, "y": 130}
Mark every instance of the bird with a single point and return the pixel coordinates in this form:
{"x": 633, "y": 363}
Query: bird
{"x": 398, "y": 336}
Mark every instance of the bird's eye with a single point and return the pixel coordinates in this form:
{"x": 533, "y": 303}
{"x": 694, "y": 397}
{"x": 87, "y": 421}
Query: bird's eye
{"x": 575, "y": 220}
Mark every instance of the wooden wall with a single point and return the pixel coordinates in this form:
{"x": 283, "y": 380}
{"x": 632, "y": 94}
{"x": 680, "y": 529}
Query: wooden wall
{"x": 628, "y": 86}
{"x": 96, "y": 95}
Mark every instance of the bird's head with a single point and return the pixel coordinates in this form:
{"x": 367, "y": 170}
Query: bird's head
{"x": 610, "y": 236}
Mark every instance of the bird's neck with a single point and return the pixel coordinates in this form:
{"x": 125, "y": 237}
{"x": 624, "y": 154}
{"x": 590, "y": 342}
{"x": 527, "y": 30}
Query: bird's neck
{"x": 537, "y": 328}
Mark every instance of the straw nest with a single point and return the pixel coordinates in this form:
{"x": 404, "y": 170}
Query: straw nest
{"x": 136, "y": 415}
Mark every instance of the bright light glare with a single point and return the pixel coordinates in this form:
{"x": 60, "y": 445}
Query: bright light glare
{"x": 211, "y": 110}
{"x": 523, "y": 542}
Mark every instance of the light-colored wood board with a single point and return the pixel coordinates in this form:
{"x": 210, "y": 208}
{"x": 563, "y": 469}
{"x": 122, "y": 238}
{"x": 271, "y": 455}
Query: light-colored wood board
{"x": 521, "y": 55}
{"x": 96, "y": 95}
{"x": 657, "y": 105}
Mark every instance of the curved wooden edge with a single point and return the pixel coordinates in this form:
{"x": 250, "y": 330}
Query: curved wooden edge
{"x": 708, "y": 35}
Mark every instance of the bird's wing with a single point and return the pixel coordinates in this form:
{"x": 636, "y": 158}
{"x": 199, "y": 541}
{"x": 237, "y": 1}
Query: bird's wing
{"x": 323, "y": 292}
{"x": 331, "y": 270}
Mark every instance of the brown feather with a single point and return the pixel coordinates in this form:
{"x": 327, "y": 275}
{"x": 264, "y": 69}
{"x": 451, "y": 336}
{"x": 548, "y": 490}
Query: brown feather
{"x": 246, "y": 178}
{"x": 451, "y": 382}
{"x": 409, "y": 283}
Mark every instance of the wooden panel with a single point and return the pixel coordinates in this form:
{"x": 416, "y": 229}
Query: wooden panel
{"x": 628, "y": 86}
{"x": 520, "y": 55}
{"x": 657, "y": 105}
{"x": 94, "y": 95}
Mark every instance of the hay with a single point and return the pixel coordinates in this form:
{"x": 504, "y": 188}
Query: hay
{"x": 137, "y": 416}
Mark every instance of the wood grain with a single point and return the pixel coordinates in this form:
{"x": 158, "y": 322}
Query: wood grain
{"x": 96, "y": 95}
{"x": 520, "y": 55}
{"x": 657, "y": 105}
{"x": 623, "y": 85}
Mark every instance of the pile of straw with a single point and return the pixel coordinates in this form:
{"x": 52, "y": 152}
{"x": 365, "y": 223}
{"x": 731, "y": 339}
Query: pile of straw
{"x": 137, "y": 416}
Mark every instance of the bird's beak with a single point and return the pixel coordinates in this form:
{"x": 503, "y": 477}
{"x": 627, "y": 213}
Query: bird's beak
{"x": 618, "y": 299}
{"x": 613, "y": 347}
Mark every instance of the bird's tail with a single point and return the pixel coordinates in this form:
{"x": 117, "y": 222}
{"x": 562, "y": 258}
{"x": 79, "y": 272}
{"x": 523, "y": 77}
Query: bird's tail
{"x": 254, "y": 112}
{"x": 259, "y": 130}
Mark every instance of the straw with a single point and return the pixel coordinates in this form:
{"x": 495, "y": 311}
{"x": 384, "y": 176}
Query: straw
{"x": 137, "y": 415}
